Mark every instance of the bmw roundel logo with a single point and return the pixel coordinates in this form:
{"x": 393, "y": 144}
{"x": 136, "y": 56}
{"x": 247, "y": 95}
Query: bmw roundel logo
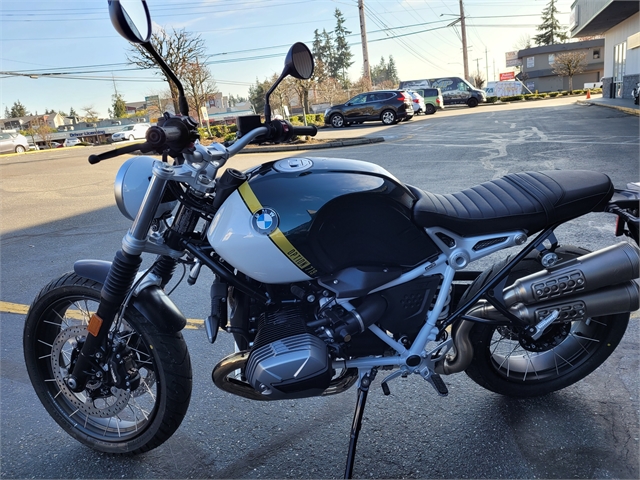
{"x": 265, "y": 221}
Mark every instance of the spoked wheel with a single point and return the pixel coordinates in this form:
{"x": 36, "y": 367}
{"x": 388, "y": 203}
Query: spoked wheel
{"x": 108, "y": 415}
{"x": 510, "y": 363}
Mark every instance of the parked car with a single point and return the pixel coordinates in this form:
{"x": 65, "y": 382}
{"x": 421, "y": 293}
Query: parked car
{"x": 455, "y": 90}
{"x": 388, "y": 106}
{"x": 71, "y": 142}
{"x": 136, "y": 131}
{"x": 33, "y": 146}
{"x": 418, "y": 102}
{"x": 13, "y": 142}
{"x": 433, "y": 100}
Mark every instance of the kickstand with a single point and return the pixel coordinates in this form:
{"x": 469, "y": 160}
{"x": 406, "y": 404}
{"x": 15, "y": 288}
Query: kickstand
{"x": 363, "y": 390}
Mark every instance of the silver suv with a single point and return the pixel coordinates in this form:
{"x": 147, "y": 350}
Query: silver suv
{"x": 13, "y": 142}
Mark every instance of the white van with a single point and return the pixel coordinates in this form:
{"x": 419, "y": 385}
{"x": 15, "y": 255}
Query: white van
{"x": 137, "y": 131}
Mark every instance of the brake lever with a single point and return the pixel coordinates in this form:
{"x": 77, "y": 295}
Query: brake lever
{"x": 143, "y": 147}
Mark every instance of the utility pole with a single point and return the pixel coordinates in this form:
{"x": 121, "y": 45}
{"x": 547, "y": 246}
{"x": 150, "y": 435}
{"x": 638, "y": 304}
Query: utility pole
{"x": 365, "y": 51}
{"x": 486, "y": 63}
{"x": 465, "y": 59}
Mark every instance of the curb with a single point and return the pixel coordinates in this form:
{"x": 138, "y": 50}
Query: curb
{"x": 627, "y": 110}
{"x": 347, "y": 142}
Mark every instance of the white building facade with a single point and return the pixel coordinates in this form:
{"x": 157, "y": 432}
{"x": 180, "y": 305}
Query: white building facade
{"x": 619, "y": 22}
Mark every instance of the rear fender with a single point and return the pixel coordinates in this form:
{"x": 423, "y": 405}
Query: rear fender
{"x": 152, "y": 302}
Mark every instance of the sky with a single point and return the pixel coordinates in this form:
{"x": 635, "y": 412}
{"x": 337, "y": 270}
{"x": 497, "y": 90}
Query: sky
{"x": 246, "y": 40}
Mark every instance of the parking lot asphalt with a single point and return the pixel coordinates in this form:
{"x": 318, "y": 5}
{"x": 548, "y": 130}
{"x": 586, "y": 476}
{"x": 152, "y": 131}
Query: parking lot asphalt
{"x": 56, "y": 208}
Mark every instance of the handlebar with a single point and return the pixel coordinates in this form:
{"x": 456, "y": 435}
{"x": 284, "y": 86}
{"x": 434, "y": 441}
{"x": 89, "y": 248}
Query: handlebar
{"x": 312, "y": 131}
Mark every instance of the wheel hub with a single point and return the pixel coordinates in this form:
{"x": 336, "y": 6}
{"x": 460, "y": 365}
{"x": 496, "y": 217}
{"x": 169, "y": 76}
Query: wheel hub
{"x": 553, "y": 336}
{"x": 99, "y": 400}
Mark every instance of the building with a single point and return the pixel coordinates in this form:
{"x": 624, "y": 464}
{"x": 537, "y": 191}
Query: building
{"x": 619, "y": 22}
{"x": 537, "y": 66}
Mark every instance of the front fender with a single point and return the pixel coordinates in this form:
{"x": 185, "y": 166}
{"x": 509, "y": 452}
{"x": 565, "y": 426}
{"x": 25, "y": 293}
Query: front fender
{"x": 152, "y": 302}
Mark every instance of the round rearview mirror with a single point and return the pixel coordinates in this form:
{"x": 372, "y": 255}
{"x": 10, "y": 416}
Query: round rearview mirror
{"x": 131, "y": 19}
{"x": 299, "y": 61}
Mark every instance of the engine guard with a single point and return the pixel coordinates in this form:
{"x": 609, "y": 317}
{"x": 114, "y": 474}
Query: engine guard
{"x": 152, "y": 302}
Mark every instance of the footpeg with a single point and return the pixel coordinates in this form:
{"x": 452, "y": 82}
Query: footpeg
{"x": 437, "y": 382}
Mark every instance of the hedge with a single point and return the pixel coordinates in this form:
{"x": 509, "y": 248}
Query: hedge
{"x": 512, "y": 98}
{"x": 492, "y": 99}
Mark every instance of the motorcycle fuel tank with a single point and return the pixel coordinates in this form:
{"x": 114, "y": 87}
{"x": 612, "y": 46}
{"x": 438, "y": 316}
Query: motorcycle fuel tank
{"x": 299, "y": 218}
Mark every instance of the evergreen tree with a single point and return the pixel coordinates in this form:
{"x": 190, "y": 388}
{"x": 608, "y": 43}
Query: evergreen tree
{"x": 256, "y": 96}
{"x": 392, "y": 71}
{"x": 328, "y": 53}
{"x": 343, "y": 55}
{"x": 73, "y": 113}
{"x": 320, "y": 73}
{"x": 550, "y": 30}
{"x": 7, "y": 113}
{"x": 119, "y": 106}
{"x": 18, "y": 110}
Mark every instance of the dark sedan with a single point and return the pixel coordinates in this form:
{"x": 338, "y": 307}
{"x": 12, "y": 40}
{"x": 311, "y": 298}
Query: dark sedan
{"x": 387, "y": 106}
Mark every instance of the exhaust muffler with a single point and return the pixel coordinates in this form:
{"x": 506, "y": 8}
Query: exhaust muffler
{"x": 609, "y": 266}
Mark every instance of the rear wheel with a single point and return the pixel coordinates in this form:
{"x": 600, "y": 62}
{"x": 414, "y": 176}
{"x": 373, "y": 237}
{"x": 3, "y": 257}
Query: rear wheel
{"x": 429, "y": 109}
{"x": 388, "y": 117}
{"x": 107, "y": 417}
{"x": 506, "y": 362}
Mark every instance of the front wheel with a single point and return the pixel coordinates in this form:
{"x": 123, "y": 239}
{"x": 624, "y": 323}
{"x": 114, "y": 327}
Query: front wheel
{"x": 472, "y": 102}
{"x": 337, "y": 120}
{"x": 567, "y": 352}
{"x": 106, "y": 416}
{"x": 20, "y": 149}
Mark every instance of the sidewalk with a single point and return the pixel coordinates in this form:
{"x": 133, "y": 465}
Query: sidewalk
{"x": 623, "y": 104}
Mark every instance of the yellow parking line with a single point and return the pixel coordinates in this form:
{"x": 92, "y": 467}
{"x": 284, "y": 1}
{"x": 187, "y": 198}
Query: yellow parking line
{"x": 20, "y": 309}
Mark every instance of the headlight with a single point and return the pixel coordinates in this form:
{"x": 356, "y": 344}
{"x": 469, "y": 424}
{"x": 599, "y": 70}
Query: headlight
{"x": 131, "y": 185}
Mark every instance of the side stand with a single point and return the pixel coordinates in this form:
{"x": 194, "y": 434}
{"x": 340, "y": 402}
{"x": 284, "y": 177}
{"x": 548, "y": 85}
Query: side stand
{"x": 363, "y": 390}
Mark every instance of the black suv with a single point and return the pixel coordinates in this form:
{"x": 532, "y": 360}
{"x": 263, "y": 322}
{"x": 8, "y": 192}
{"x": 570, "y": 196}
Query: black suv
{"x": 388, "y": 106}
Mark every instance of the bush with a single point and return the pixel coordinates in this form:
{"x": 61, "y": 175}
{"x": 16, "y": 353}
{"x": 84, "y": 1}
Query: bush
{"x": 578, "y": 92}
{"x": 204, "y": 133}
{"x": 554, "y": 94}
{"x": 564, "y": 93}
{"x": 542, "y": 95}
{"x": 513, "y": 98}
{"x": 492, "y": 99}
{"x": 229, "y": 137}
{"x": 530, "y": 96}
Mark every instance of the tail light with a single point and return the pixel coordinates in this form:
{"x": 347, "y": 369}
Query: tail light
{"x": 415, "y": 100}
{"x": 401, "y": 97}
{"x": 438, "y": 100}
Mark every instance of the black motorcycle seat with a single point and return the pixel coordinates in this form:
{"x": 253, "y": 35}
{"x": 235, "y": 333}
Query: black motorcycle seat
{"x": 529, "y": 201}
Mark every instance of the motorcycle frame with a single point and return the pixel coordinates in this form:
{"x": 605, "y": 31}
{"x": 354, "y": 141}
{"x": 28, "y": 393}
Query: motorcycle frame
{"x": 454, "y": 257}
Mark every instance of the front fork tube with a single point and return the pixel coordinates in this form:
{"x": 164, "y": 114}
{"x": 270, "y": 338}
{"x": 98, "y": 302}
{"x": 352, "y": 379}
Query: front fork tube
{"x": 119, "y": 281}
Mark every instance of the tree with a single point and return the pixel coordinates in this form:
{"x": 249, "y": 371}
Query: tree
{"x": 256, "y": 95}
{"x": 18, "y": 110}
{"x": 478, "y": 80}
{"x": 550, "y": 30}
{"x": 72, "y": 112}
{"x": 90, "y": 113}
{"x": 119, "y": 106}
{"x": 392, "y": 71}
{"x": 343, "y": 55}
{"x": 568, "y": 64}
{"x": 523, "y": 42}
{"x": 178, "y": 49}
{"x": 7, "y": 112}
{"x": 199, "y": 86}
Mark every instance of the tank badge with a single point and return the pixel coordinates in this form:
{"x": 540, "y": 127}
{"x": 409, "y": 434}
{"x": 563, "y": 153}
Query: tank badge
{"x": 265, "y": 221}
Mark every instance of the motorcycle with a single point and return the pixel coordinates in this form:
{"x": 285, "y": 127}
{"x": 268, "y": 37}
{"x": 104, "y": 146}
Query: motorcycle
{"x": 326, "y": 272}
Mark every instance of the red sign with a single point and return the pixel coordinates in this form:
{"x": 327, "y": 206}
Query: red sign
{"x": 507, "y": 76}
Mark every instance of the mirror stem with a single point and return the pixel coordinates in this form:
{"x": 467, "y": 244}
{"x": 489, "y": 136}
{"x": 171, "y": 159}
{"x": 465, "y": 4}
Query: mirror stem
{"x": 267, "y": 107}
{"x": 182, "y": 99}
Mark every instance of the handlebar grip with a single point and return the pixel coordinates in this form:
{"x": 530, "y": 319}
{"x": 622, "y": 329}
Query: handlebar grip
{"x": 158, "y": 136}
{"x": 312, "y": 131}
{"x": 143, "y": 147}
